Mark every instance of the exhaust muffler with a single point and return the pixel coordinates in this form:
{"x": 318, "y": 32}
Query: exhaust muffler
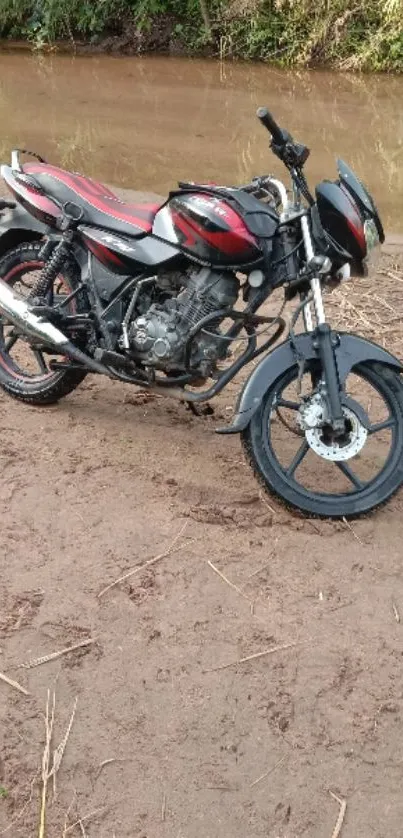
{"x": 19, "y": 312}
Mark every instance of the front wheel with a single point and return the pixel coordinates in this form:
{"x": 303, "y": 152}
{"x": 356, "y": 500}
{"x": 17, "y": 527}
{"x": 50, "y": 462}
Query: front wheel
{"x": 311, "y": 470}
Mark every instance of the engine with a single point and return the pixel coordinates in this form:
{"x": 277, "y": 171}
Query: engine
{"x": 159, "y": 336}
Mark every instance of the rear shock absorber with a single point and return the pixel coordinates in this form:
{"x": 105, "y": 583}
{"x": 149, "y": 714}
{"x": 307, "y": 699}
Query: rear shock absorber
{"x": 51, "y": 270}
{"x": 59, "y": 254}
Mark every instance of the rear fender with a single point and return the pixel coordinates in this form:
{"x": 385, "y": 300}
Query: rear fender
{"x": 18, "y": 226}
{"x": 350, "y": 351}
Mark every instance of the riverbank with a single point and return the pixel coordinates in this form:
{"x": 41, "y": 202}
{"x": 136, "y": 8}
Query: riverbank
{"x": 366, "y": 35}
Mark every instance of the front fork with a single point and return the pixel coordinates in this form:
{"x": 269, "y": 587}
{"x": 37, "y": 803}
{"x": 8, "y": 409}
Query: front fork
{"x": 323, "y": 337}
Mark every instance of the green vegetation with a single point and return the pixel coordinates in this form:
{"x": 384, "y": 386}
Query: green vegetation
{"x": 350, "y": 34}
{"x": 3, "y": 793}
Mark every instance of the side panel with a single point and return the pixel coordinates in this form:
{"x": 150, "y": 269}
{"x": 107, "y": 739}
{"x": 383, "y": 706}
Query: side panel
{"x": 121, "y": 254}
{"x": 352, "y": 350}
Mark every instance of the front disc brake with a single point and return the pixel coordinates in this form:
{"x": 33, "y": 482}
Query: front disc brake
{"x": 339, "y": 449}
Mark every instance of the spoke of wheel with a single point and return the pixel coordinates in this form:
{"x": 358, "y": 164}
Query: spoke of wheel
{"x": 301, "y": 453}
{"x": 287, "y": 403}
{"x": 390, "y": 422}
{"x": 41, "y": 362}
{"x": 348, "y": 472}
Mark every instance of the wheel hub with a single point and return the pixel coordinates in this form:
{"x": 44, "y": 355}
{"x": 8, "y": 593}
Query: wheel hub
{"x": 326, "y": 445}
{"x": 312, "y": 413}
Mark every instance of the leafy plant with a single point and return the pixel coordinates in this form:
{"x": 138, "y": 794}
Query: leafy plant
{"x": 351, "y": 34}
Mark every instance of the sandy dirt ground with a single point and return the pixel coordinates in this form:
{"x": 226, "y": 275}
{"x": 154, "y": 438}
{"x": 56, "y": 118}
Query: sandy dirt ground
{"x": 160, "y": 745}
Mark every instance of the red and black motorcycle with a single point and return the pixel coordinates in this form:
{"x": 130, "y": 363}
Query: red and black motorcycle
{"x": 159, "y": 295}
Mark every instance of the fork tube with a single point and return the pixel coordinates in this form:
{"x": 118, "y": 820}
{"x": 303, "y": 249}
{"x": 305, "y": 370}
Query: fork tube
{"x": 307, "y": 315}
{"x": 315, "y": 281}
{"x": 318, "y": 300}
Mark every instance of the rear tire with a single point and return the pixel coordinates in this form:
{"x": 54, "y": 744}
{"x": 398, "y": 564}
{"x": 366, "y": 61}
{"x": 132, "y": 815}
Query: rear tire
{"x": 46, "y": 386}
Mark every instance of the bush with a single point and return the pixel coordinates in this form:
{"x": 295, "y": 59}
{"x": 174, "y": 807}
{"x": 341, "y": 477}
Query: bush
{"x": 351, "y": 34}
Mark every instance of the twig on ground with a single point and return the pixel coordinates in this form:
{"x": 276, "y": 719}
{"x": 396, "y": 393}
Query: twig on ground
{"x": 221, "y": 788}
{"x": 396, "y": 612}
{"x": 85, "y": 818}
{"x": 261, "y": 568}
{"x": 267, "y": 773}
{"x": 14, "y": 684}
{"x": 51, "y": 767}
{"x": 109, "y": 761}
{"x": 395, "y": 275}
{"x": 342, "y": 812}
{"x": 357, "y": 538}
{"x": 83, "y": 830}
{"x": 49, "y": 721}
{"x": 266, "y": 503}
{"x": 383, "y": 302}
{"x": 53, "y": 655}
{"x": 104, "y": 763}
{"x": 67, "y": 815}
{"x": 252, "y": 657}
{"x": 227, "y": 581}
{"x": 314, "y": 526}
{"x": 172, "y": 548}
{"x": 163, "y": 807}
{"x": 59, "y": 752}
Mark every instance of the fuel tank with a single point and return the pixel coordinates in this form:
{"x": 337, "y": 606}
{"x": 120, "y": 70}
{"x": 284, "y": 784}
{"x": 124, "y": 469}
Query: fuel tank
{"x": 208, "y": 229}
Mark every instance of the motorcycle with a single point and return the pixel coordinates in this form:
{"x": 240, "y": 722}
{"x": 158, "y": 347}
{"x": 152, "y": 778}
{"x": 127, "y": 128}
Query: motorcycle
{"x": 158, "y": 295}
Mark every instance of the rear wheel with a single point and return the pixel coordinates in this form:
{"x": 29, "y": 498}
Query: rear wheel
{"x": 315, "y": 472}
{"x": 25, "y": 372}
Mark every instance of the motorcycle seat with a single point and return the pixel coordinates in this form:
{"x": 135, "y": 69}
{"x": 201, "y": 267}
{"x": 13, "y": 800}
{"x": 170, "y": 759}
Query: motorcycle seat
{"x": 101, "y": 207}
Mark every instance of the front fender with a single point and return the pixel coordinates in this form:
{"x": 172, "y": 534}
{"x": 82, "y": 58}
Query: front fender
{"x": 18, "y": 226}
{"x": 350, "y": 351}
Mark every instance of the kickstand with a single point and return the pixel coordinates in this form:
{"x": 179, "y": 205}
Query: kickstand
{"x": 204, "y": 410}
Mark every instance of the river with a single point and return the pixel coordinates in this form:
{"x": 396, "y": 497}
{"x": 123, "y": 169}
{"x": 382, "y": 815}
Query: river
{"x": 144, "y": 123}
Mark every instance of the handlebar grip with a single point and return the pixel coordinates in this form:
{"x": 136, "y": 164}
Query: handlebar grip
{"x": 270, "y": 124}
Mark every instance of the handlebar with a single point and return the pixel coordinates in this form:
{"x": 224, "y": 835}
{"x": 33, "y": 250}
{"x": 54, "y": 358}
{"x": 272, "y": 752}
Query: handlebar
{"x": 292, "y": 154}
{"x": 279, "y": 136}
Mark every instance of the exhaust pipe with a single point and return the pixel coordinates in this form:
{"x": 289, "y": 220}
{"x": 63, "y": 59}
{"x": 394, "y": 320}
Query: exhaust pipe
{"x": 16, "y": 309}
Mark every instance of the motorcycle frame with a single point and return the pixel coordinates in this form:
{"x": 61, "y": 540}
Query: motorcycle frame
{"x": 318, "y": 341}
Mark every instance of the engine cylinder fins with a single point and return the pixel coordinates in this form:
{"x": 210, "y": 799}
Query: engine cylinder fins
{"x": 160, "y": 335}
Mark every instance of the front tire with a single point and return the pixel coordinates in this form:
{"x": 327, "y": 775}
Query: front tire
{"x": 24, "y": 373}
{"x": 354, "y": 487}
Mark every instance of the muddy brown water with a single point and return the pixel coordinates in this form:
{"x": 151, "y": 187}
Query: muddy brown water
{"x": 144, "y": 123}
